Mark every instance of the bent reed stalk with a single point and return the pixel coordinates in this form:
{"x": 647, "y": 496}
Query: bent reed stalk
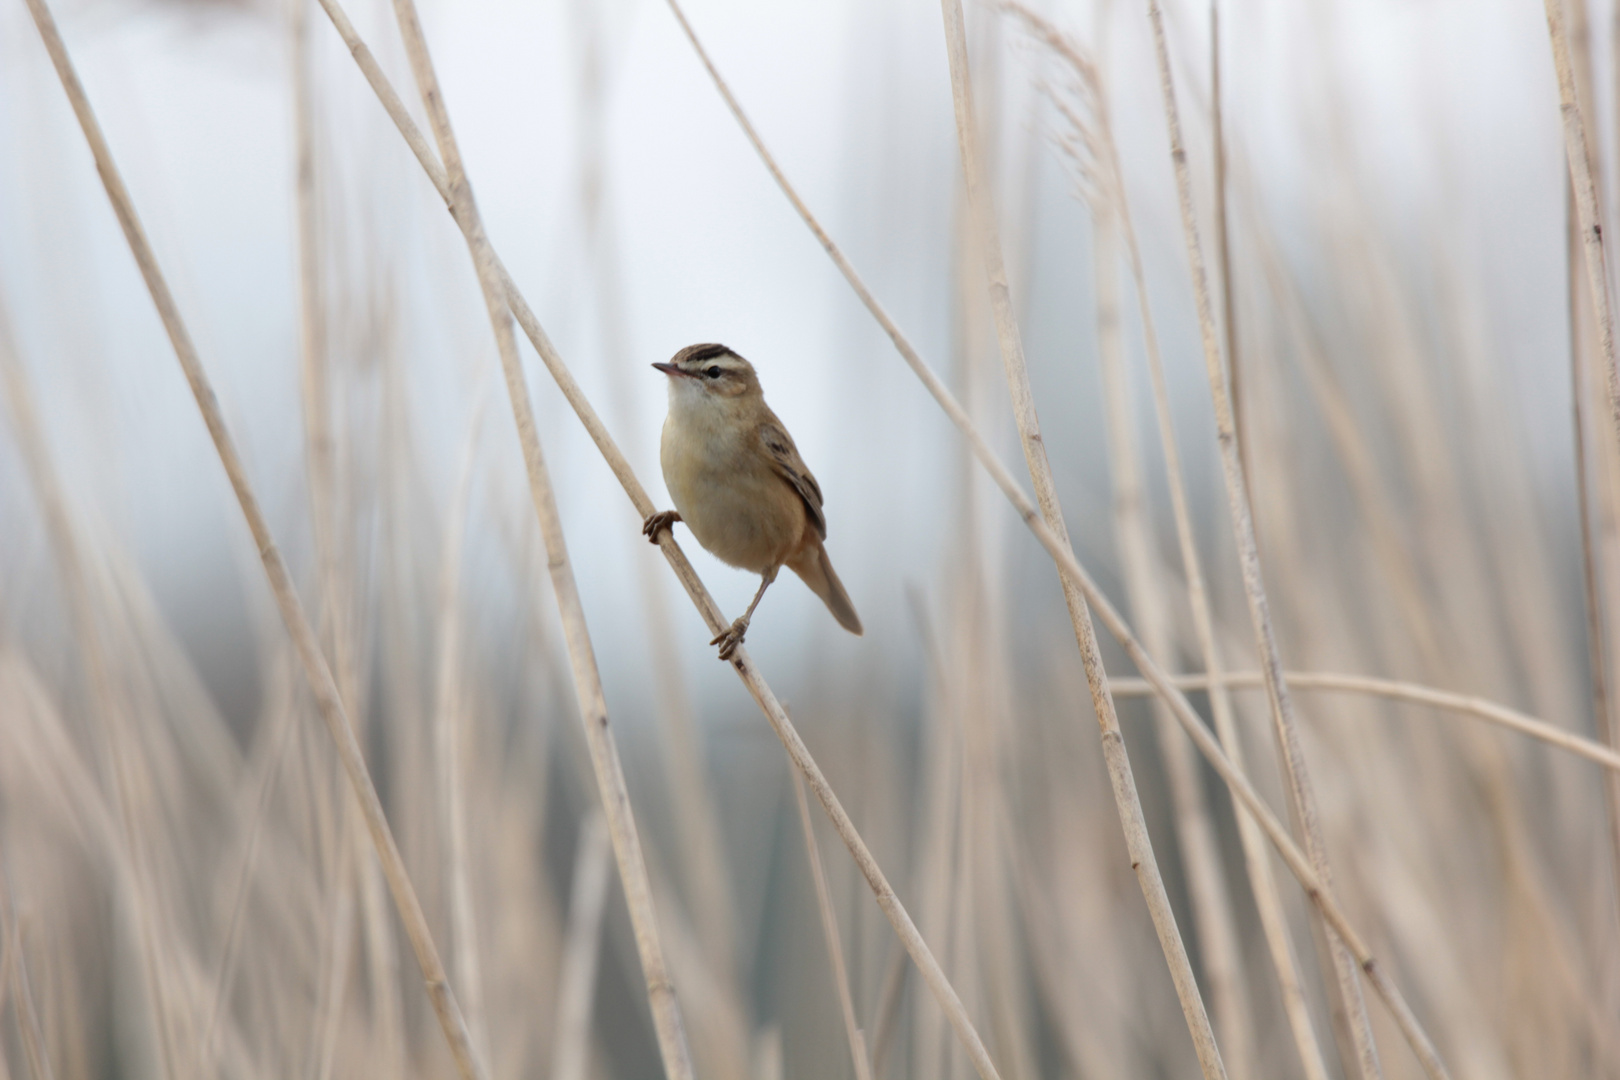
{"x": 1414, "y": 693}
{"x": 1236, "y": 780}
{"x": 1129, "y": 803}
{"x": 322, "y": 686}
{"x": 1302, "y": 797}
{"x": 593, "y": 714}
{"x": 761, "y": 692}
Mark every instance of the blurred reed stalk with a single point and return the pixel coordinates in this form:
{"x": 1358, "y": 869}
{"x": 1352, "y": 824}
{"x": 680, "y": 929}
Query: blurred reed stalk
{"x": 1479, "y": 708}
{"x": 1114, "y": 752}
{"x": 587, "y": 679}
{"x": 1587, "y": 209}
{"x": 449, "y": 735}
{"x": 1572, "y": 68}
{"x": 1090, "y": 149}
{"x": 319, "y": 675}
{"x": 740, "y": 662}
{"x": 118, "y": 751}
{"x": 576, "y": 980}
{"x": 1063, "y": 556}
{"x": 829, "y": 930}
{"x": 1302, "y": 798}
{"x": 706, "y": 876}
{"x": 1093, "y": 153}
{"x": 335, "y": 561}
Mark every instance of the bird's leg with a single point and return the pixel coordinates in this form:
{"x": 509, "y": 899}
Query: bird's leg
{"x": 658, "y": 522}
{"x": 729, "y": 639}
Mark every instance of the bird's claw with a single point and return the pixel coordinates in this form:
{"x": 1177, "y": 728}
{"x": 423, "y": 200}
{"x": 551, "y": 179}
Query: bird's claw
{"x": 658, "y": 522}
{"x": 731, "y": 637}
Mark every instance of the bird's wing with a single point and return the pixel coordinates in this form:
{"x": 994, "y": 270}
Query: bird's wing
{"x": 790, "y": 466}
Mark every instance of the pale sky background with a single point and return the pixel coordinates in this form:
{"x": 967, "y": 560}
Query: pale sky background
{"x": 1444, "y": 112}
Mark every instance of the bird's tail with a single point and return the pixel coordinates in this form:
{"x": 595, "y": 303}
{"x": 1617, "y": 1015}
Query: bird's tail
{"x": 816, "y": 570}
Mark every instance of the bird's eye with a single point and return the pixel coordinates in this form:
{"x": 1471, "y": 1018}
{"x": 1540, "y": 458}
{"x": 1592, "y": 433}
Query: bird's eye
{"x": 713, "y": 372}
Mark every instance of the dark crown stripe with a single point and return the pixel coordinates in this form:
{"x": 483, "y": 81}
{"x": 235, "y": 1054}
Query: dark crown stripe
{"x": 702, "y": 352}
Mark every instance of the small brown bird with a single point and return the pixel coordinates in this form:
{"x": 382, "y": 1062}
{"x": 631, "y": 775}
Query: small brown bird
{"x": 739, "y": 484}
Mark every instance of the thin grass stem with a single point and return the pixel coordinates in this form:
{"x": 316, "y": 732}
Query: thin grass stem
{"x": 576, "y": 979}
{"x": 1129, "y": 803}
{"x": 829, "y": 930}
{"x": 1302, "y": 799}
{"x": 761, "y": 692}
{"x": 1063, "y": 556}
{"x": 611, "y": 785}
{"x": 320, "y": 678}
{"x": 1478, "y": 708}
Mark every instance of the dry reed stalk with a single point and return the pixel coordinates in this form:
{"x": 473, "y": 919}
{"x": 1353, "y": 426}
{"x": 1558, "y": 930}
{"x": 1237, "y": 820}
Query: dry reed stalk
{"x": 448, "y": 736}
{"x": 1477, "y": 707}
{"x": 116, "y": 744}
{"x": 225, "y": 970}
{"x": 576, "y": 980}
{"x": 16, "y": 968}
{"x": 1023, "y": 402}
{"x": 1223, "y": 246}
{"x": 592, "y": 703}
{"x": 1587, "y": 209}
{"x": 322, "y": 684}
{"x": 1302, "y": 799}
{"x": 1108, "y": 187}
{"x": 334, "y": 565}
{"x": 1596, "y": 637}
{"x": 1198, "y": 844}
{"x": 829, "y": 930}
{"x": 339, "y": 936}
{"x": 942, "y": 771}
{"x": 696, "y": 821}
{"x": 1108, "y": 196}
{"x": 1063, "y": 556}
{"x": 761, "y": 692}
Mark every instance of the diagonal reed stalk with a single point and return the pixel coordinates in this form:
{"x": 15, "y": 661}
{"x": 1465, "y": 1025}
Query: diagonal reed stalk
{"x": 320, "y": 678}
{"x": 1478, "y": 708}
{"x": 1063, "y": 556}
{"x": 611, "y": 785}
{"x": 1302, "y": 799}
{"x": 1101, "y": 162}
{"x": 1129, "y": 803}
{"x": 761, "y": 692}
{"x": 697, "y": 823}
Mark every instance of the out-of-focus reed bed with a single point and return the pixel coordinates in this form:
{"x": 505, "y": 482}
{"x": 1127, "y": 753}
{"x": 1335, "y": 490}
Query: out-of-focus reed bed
{"x": 187, "y": 888}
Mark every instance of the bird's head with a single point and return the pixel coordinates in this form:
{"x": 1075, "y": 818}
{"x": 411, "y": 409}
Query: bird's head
{"x": 710, "y": 371}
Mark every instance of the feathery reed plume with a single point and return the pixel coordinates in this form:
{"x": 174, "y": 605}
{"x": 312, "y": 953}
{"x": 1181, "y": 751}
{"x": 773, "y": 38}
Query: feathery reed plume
{"x": 322, "y": 684}
{"x": 1040, "y": 469}
{"x": 1063, "y": 556}
{"x": 1302, "y": 799}
{"x": 1087, "y": 145}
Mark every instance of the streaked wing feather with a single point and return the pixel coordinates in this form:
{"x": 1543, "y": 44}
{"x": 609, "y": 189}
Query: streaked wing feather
{"x": 791, "y": 467}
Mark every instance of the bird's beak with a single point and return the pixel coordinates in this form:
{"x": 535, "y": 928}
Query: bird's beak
{"x": 671, "y": 370}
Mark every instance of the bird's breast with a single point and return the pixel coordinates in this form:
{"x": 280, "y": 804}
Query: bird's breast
{"x": 728, "y": 494}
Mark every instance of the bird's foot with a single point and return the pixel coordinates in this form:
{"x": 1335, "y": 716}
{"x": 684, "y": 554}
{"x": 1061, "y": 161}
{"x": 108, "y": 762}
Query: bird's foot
{"x": 657, "y": 523}
{"x": 730, "y": 638}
